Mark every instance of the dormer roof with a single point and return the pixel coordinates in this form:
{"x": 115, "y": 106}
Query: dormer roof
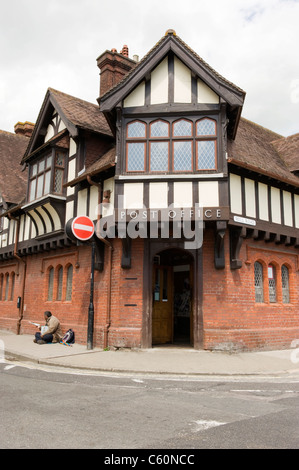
{"x": 226, "y": 90}
{"x": 75, "y": 113}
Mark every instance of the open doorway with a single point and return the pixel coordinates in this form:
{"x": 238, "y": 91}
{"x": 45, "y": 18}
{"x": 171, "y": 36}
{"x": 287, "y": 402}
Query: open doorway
{"x": 172, "y": 318}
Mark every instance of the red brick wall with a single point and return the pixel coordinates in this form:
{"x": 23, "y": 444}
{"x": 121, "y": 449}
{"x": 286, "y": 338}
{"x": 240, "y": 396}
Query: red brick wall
{"x": 125, "y": 328}
{"x": 232, "y": 318}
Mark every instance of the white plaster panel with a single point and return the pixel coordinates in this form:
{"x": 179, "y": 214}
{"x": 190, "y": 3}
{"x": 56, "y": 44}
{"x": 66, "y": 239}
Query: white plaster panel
{"x": 182, "y": 82}
{"x": 133, "y": 195}
{"x": 159, "y": 83}
{"x": 250, "y": 198}
{"x": 69, "y": 214}
{"x": 275, "y": 205}
{"x": 208, "y": 193}
{"x": 287, "y": 208}
{"x": 82, "y": 202}
{"x": 235, "y": 194}
{"x": 263, "y": 201}
{"x": 183, "y": 194}
{"x": 136, "y": 97}
{"x": 158, "y": 195}
{"x": 205, "y": 94}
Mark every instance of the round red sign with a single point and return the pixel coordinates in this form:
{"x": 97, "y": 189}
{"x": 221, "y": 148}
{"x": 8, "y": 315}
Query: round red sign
{"x": 83, "y": 227}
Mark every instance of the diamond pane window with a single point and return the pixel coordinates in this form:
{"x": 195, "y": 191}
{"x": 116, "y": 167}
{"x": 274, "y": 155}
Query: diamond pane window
{"x": 58, "y": 180}
{"x": 272, "y": 283}
{"x": 285, "y": 284}
{"x": 50, "y": 284}
{"x": 182, "y": 128}
{"x": 182, "y": 156}
{"x": 206, "y": 155}
{"x": 159, "y": 156}
{"x": 159, "y": 129}
{"x": 59, "y": 283}
{"x": 136, "y": 129}
{"x": 136, "y": 155}
{"x": 258, "y": 282}
{"x": 69, "y": 283}
{"x": 206, "y": 127}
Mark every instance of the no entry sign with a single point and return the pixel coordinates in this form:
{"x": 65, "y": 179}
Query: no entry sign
{"x": 82, "y": 228}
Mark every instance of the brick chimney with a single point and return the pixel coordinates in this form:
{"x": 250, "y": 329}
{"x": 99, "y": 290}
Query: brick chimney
{"x": 114, "y": 67}
{"x": 24, "y": 128}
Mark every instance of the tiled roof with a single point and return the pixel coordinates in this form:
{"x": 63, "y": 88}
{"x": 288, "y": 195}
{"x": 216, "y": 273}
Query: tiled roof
{"x": 288, "y": 149}
{"x": 253, "y": 149}
{"x": 81, "y": 113}
{"x": 13, "y": 181}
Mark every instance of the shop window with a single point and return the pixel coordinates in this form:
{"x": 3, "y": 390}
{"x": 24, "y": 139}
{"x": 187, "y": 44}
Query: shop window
{"x": 69, "y": 283}
{"x": 258, "y": 282}
{"x": 285, "y": 284}
{"x": 272, "y": 283}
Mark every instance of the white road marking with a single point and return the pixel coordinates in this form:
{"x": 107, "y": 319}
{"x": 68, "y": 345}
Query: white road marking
{"x": 203, "y": 424}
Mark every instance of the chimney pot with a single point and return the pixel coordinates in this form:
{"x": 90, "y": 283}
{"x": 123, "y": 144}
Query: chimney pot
{"x": 125, "y": 51}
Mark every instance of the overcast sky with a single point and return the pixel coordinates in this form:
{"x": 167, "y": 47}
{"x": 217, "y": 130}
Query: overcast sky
{"x": 55, "y": 43}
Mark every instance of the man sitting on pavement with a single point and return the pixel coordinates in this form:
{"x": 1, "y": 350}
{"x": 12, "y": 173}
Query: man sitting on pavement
{"x": 53, "y": 333}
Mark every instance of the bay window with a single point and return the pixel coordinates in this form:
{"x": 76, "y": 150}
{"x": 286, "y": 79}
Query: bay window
{"x": 46, "y": 175}
{"x": 179, "y": 145}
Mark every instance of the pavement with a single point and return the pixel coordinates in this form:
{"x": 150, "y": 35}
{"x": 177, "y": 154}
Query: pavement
{"x": 169, "y": 360}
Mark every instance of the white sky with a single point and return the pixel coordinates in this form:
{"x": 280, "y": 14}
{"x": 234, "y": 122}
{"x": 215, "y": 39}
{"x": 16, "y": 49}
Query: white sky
{"x": 55, "y": 43}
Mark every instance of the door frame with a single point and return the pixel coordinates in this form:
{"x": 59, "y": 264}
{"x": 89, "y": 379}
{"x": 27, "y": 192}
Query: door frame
{"x": 152, "y": 248}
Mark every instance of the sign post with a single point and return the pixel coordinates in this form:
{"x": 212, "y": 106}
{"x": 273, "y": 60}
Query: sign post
{"x": 82, "y": 228}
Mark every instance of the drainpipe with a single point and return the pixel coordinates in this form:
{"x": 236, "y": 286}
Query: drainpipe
{"x": 21, "y": 309}
{"x": 110, "y": 247}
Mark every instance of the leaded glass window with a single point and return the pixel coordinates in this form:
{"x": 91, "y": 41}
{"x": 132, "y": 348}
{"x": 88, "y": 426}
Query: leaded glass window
{"x": 182, "y": 128}
{"x": 258, "y": 282}
{"x": 206, "y": 127}
{"x": 272, "y": 283}
{"x": 182, "y": 156}
{"x": 136, "y": 156}
{"x": 159, "y": 129}
{"x": 69, "y": 283}
{"x": 206, "y": 155}
{"x": 159, "y": 156}
{"x": 50, "y": 284}
{"x": 285, "y": 284}
{"x": 59, "y": 283}
{"x": 136, "y": 129}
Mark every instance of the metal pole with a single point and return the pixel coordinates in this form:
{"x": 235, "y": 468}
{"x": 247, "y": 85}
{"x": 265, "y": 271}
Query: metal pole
{"x": 91, "y": 307}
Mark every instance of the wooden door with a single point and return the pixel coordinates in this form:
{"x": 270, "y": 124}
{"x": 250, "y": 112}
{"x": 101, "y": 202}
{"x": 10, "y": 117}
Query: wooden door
{"x": 162, "y": 317}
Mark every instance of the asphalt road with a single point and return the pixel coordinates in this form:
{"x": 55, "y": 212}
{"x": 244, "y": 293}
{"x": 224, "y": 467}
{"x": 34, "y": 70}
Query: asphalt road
{"x": 51, "y": 409}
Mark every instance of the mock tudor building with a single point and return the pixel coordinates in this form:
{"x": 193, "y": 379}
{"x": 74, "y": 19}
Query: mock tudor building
{"x": 196, "y": 212}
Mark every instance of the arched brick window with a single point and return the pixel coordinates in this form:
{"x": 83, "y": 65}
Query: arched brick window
{"x": 272, "y": 283}
{"x": 285, "y": 284}
{"x": 50, "y": 283}
{"x": 69, "y": 283}
{"x": 59, "y": 282}
{"x": 258, "y": 282}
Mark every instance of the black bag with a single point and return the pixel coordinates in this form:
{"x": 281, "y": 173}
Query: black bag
{"x": 69, "y": 337}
